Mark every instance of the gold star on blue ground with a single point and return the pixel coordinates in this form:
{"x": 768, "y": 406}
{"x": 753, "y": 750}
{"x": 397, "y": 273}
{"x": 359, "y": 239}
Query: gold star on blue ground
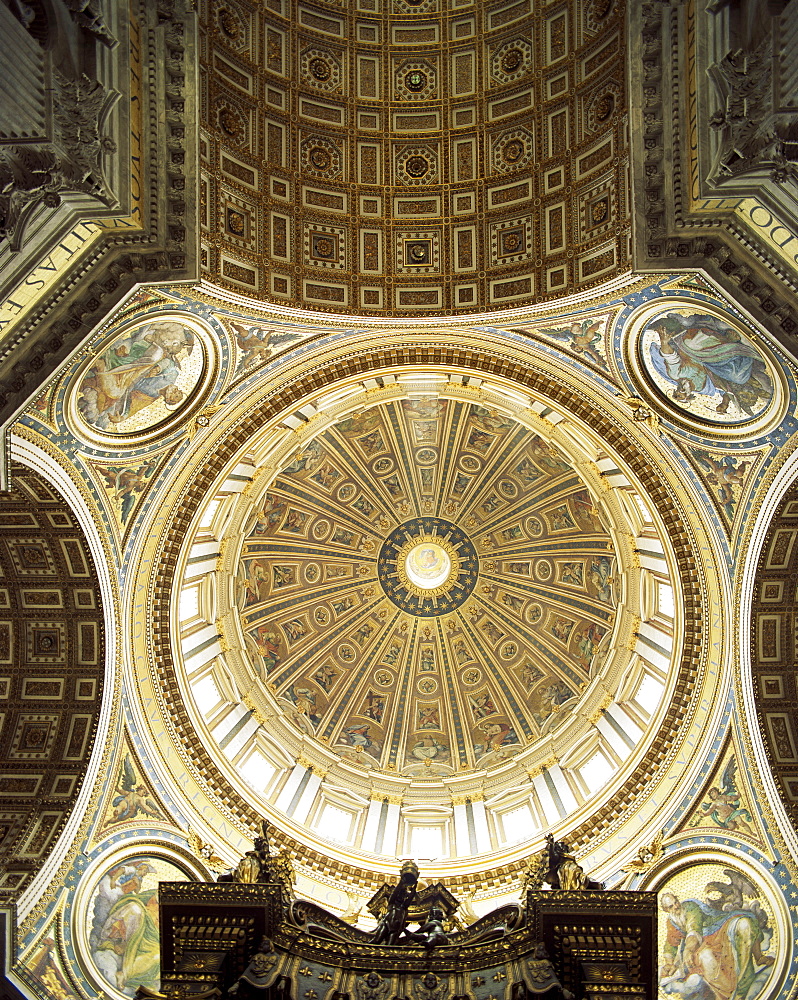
{"x": 459, "y": 588}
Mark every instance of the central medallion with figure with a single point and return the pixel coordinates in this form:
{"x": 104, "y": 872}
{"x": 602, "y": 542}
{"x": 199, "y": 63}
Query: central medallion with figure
{"x": 428, "y": 566}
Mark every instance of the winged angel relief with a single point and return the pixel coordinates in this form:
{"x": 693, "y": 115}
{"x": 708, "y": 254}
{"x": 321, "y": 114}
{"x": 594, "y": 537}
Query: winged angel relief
{"x": 131, "y": 798}
{"x": 723, "y": 805}
{"x": 206, "y": 852}
{"x": 646, "y": 856}
{"x": 372, "y": 987}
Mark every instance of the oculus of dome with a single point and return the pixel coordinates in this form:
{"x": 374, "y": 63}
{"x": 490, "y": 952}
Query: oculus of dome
{"x": 428, "y": 566}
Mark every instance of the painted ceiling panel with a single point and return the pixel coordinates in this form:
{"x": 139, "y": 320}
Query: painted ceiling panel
{"x": 415, "y": 501}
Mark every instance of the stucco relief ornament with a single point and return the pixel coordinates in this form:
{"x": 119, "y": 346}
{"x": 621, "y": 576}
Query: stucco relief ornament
{"x": 431, "y": 987}
{"x": 372, "y": 987}
{"x": 261, "y": 971}
{"x": 87, "y": 14}
{"x": 33, "y": 175}
{"x": 751, "y": 135}
{"x": 539, "y": 974}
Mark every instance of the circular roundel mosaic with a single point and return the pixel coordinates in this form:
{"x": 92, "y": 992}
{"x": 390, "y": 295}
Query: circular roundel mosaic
{"x": 725, "y": 917}
{"x": 705, "y": 368}
{"x": 428, "y": 566}
{"x": 116, "y": 917}
{"x": 144, "y": 380}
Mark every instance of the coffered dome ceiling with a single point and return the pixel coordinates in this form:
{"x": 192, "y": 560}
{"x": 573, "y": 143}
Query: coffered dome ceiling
{"x": 354, "y": 157}
{"x": 426, "y": 587}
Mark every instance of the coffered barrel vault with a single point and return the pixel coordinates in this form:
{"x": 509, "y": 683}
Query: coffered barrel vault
{"x": 422, "y": 158}
{"x": 52, "y": 663}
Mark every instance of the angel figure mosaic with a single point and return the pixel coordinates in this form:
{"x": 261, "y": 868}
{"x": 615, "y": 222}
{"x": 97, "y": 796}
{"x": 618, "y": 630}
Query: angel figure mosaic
{"x": 724, "y": 805}
{"x": 132, "y": 798}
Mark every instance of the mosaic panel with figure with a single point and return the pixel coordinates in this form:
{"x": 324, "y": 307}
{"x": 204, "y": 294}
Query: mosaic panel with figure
{"x": 142, "y": 378}
{"x": 123, "y": 936}
{"x": 717, "y": 934}
{"x": 705, "y": 366}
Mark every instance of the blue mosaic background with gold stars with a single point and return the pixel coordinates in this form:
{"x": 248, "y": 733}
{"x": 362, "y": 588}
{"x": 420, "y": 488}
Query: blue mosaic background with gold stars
{"x": 460, "y": 585}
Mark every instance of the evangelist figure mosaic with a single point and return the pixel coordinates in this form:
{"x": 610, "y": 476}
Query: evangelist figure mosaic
{"x": 717, "y": 935}
{"x": 124, "y": 940}
{"x": 141, "y": 378}
{"x": 705, "y": 366}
